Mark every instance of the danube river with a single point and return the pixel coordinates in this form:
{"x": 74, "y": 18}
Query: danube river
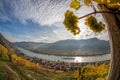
{"x": 77, "y": 59}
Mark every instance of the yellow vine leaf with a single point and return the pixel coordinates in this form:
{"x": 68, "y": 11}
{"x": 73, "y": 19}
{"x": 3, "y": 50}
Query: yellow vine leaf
{"x": 114, "y": 5}
{"x": 87, "y": 2}
{"x": 93, "y": 24}
{"x": 115, "y": 1}
{"x": 102, "y": 1}
{"x": 70, "y": 22}
{"x": 75, "y": 4}
{"x": 76, "y": 74}
{"x": 107, "y": 1}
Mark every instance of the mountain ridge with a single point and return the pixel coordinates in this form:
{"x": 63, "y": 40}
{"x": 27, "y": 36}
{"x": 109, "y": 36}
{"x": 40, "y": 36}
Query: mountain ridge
{"x": 68, "y": 47}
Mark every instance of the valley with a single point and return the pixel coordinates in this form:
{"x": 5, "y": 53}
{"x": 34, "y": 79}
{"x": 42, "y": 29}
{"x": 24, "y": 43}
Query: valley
{"x": 68, "y": 47}
{"x": 22, "y": 67}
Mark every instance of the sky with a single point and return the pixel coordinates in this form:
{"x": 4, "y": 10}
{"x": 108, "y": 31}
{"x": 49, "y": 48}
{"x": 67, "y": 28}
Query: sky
{"x": 41, "y": 21}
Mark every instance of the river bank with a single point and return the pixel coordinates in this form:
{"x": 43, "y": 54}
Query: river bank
{"x": 83, "y": 54}
{"x": 64, "y": 66}
{"x": 77, "y": 59}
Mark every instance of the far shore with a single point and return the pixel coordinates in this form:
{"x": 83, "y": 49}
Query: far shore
{"x": 67, "y": 55}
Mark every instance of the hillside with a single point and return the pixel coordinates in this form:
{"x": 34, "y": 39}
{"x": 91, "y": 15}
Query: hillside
{"x": 9, "y": 45}
{"x": 17, "y": 71}
{"x": 14, "y": 67}
{"x": 71, "y": 47}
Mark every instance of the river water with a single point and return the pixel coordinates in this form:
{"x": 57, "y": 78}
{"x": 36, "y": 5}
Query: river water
{"x": 77, "y": 59}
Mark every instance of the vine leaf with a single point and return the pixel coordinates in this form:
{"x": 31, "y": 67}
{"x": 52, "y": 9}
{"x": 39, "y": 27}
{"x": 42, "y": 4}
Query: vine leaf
{"x": 103, "y": 1}
{"x": 75, "y": 4}
{"x": 70, "y": 22}
{"x": 87, "y": 2}
{"x": 93, "y": 24}
{"x": 114, "y": 5}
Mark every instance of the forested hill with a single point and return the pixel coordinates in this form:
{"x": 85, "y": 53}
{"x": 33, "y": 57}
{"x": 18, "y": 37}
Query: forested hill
{"x": 68, "y": 47}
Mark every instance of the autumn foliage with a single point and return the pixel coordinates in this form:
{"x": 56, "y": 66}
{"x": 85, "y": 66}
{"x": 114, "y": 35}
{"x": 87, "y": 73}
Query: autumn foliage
{"x": 70, "y": 22}
{"x": 93, "y": 24}
{"x": 92, "y": 72}
{"x": 15, "y": 58}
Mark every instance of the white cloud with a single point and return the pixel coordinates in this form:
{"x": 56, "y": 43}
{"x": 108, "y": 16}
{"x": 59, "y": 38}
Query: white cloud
{"x": 50, "y": 13}
{"x": 44, "y": 12}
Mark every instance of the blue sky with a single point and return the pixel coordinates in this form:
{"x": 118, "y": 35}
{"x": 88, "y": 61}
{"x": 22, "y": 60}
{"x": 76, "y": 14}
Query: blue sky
{"x": 40, "y": 21}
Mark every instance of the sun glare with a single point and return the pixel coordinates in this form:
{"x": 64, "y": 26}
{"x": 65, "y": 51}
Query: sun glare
{"x": 78, "y": 59}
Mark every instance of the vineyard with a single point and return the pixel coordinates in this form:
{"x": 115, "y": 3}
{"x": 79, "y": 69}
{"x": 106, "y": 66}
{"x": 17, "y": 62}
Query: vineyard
{"x": 87, "y": 72}
{"x": 27, "y": 63}
{"x": 97, "y": 72}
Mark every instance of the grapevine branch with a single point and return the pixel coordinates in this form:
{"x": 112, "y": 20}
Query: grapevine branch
{"x": 111, "y": 12}
{"x": 93, "y": 6}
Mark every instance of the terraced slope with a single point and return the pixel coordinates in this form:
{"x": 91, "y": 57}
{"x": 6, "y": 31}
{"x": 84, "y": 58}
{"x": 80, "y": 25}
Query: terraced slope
{"x": 13, "y": 70}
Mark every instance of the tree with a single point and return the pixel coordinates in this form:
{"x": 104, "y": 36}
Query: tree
{"x": 110, "y": 10}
